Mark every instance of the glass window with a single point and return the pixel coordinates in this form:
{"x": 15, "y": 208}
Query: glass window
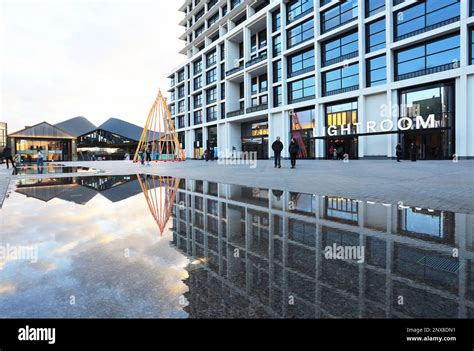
{"x": 211, "y": 76}
{"x": 198, "y": 117}
{"x": 301, "y": 33}
{"x": 277, "y": 72}
{"x": 340, "y": 49}
{"x": 341, "y": 80}
{"x": 374, "y": 6}
{"x": 376, "y": 35}
{"x": 276, "y": 45}
{"x": 298, "y": 8}
{"x": 377, "y": 71}
{"x": 211, "y": 58}
{"x": 437, "y": 100}
{"x": 197, "y": 100}
{"x": 197, "y": 83}
{"x": 197, "y": 67}
{"x": 338, "y": 15}
{"x": 301, "y": 63}
{"x": 211, "y": 113}
{"x": 301, "y": 90}
{"x": 472, "y": 46}
{"x": 277, "y": 96}
{"x": 180, "y": 76}
{"x": 276, "y": 21}
{"x": 431, "y": 57}
{"x": 211, "y": 95}
{"x": 181, "y": 92}
{"x": 425, "y": 16}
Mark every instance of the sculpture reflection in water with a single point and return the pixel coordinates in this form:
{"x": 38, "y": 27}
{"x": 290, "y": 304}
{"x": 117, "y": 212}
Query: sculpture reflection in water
{"x": 160, "y": 193}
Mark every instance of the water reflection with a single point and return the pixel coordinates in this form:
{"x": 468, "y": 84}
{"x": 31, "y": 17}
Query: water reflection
{"x": 260, "y": 253}
{"x": 99, "y": 252}
{"x": 50, "y": 169}
{"x": 245, "y": 252}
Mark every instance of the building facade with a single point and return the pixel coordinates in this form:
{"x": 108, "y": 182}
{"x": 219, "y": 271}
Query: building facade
{"x": 356, "y": 77}
{"x": 77, "y": 139}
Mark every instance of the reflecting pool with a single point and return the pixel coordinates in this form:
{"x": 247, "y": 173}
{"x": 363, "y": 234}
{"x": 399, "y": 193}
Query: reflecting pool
{"x": 159, "y": 247}
{"x": 49, "y": 168}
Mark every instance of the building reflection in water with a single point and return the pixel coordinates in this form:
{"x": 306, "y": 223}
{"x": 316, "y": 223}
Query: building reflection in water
{"x": 260, "y": 253}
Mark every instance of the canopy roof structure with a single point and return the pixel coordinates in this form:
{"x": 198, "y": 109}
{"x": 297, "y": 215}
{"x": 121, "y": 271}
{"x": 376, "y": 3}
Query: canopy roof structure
{"x": 159, "y": 138}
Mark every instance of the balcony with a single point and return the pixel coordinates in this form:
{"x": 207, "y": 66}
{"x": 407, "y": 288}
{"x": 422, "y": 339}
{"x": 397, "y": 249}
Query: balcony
{"x": 260, "y": 58}
{"x": 301, "y": 71}
{"x": 428, "y": 28}
{"x": 235, "y": 70}
{"x": 235, "y": 113}
{"x": 427, "y": 71}
{"x": 341, "y": 91}
{"x": 257, "y": 108}
{"x": 341, "y": 58}
{"x": 305, "y": 98}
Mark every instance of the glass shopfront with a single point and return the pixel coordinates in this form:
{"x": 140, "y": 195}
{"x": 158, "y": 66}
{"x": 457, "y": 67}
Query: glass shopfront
{"x": 52, "y": 150}
{"x": 198, "y": 145}
{"x": 105, "y": 145}
{"x": 255, "y": 138}
{"x": 338, "y": 115}
{"x": 436, "y": 100}
{"x": 302, "y": 127}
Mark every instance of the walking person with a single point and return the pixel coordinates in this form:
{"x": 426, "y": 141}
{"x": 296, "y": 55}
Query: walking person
{"x": 277, "y": 148}
{"x": 399, "y": 151}
{"x": 142, "y": 157}
{"x": 148, "y": 155}
{"x": 40, "y": 159}
{"x": 7, "y": 153}
{"x": 294, "y": 149}
{"x": 332, "y": 149}
{"x": 413, "y": 152}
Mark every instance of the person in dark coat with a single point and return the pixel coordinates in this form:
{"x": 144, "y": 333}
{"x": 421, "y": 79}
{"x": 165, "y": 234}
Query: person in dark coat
{"x": 277, "y": 148}
{"x": 399, "y": 152}
{"x": 413, "y": 152}
{"x": 7, "y": 153}
{"x": 293, "y": 149}
{"x": 148, "y": 155}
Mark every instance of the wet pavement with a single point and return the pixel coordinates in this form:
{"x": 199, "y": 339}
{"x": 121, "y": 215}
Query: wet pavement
{"x": 165, "y": 247}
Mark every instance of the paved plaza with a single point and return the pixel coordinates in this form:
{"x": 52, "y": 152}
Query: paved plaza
{"x": 440, "y": 185}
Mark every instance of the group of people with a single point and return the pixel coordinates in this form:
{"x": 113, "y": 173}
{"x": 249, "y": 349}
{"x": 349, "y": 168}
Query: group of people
{"x": 413, "y": 152}
{"x": 209, "y": 154}
{"x": 293, "y": 149}
{"x": 145, "y": 156}
{"x": 336, "y": 152}
{"x": 8, "y": 156}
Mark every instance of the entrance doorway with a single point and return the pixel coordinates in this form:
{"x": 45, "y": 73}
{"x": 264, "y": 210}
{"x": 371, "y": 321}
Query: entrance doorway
{"x": 343, "y": 146}
{"x": 429, "y": 146}
{"x": 255, "y": 138}
{"x": 258, "y": 145}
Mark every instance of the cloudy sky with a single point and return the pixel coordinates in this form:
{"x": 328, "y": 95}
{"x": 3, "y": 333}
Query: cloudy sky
{"x": 94, "y": 58}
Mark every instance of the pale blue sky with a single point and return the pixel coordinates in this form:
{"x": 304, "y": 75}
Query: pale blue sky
{"x": 93, "y": 58}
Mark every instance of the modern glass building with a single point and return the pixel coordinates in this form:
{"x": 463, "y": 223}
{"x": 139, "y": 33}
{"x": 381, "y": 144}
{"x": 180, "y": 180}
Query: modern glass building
{"x": 345, "y": 75}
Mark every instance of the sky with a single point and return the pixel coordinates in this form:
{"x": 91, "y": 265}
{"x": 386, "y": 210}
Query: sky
{"x": 94, "y": 58}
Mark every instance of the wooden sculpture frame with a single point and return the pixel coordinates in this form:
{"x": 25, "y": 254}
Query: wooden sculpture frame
{"x": 159, "y": 136}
